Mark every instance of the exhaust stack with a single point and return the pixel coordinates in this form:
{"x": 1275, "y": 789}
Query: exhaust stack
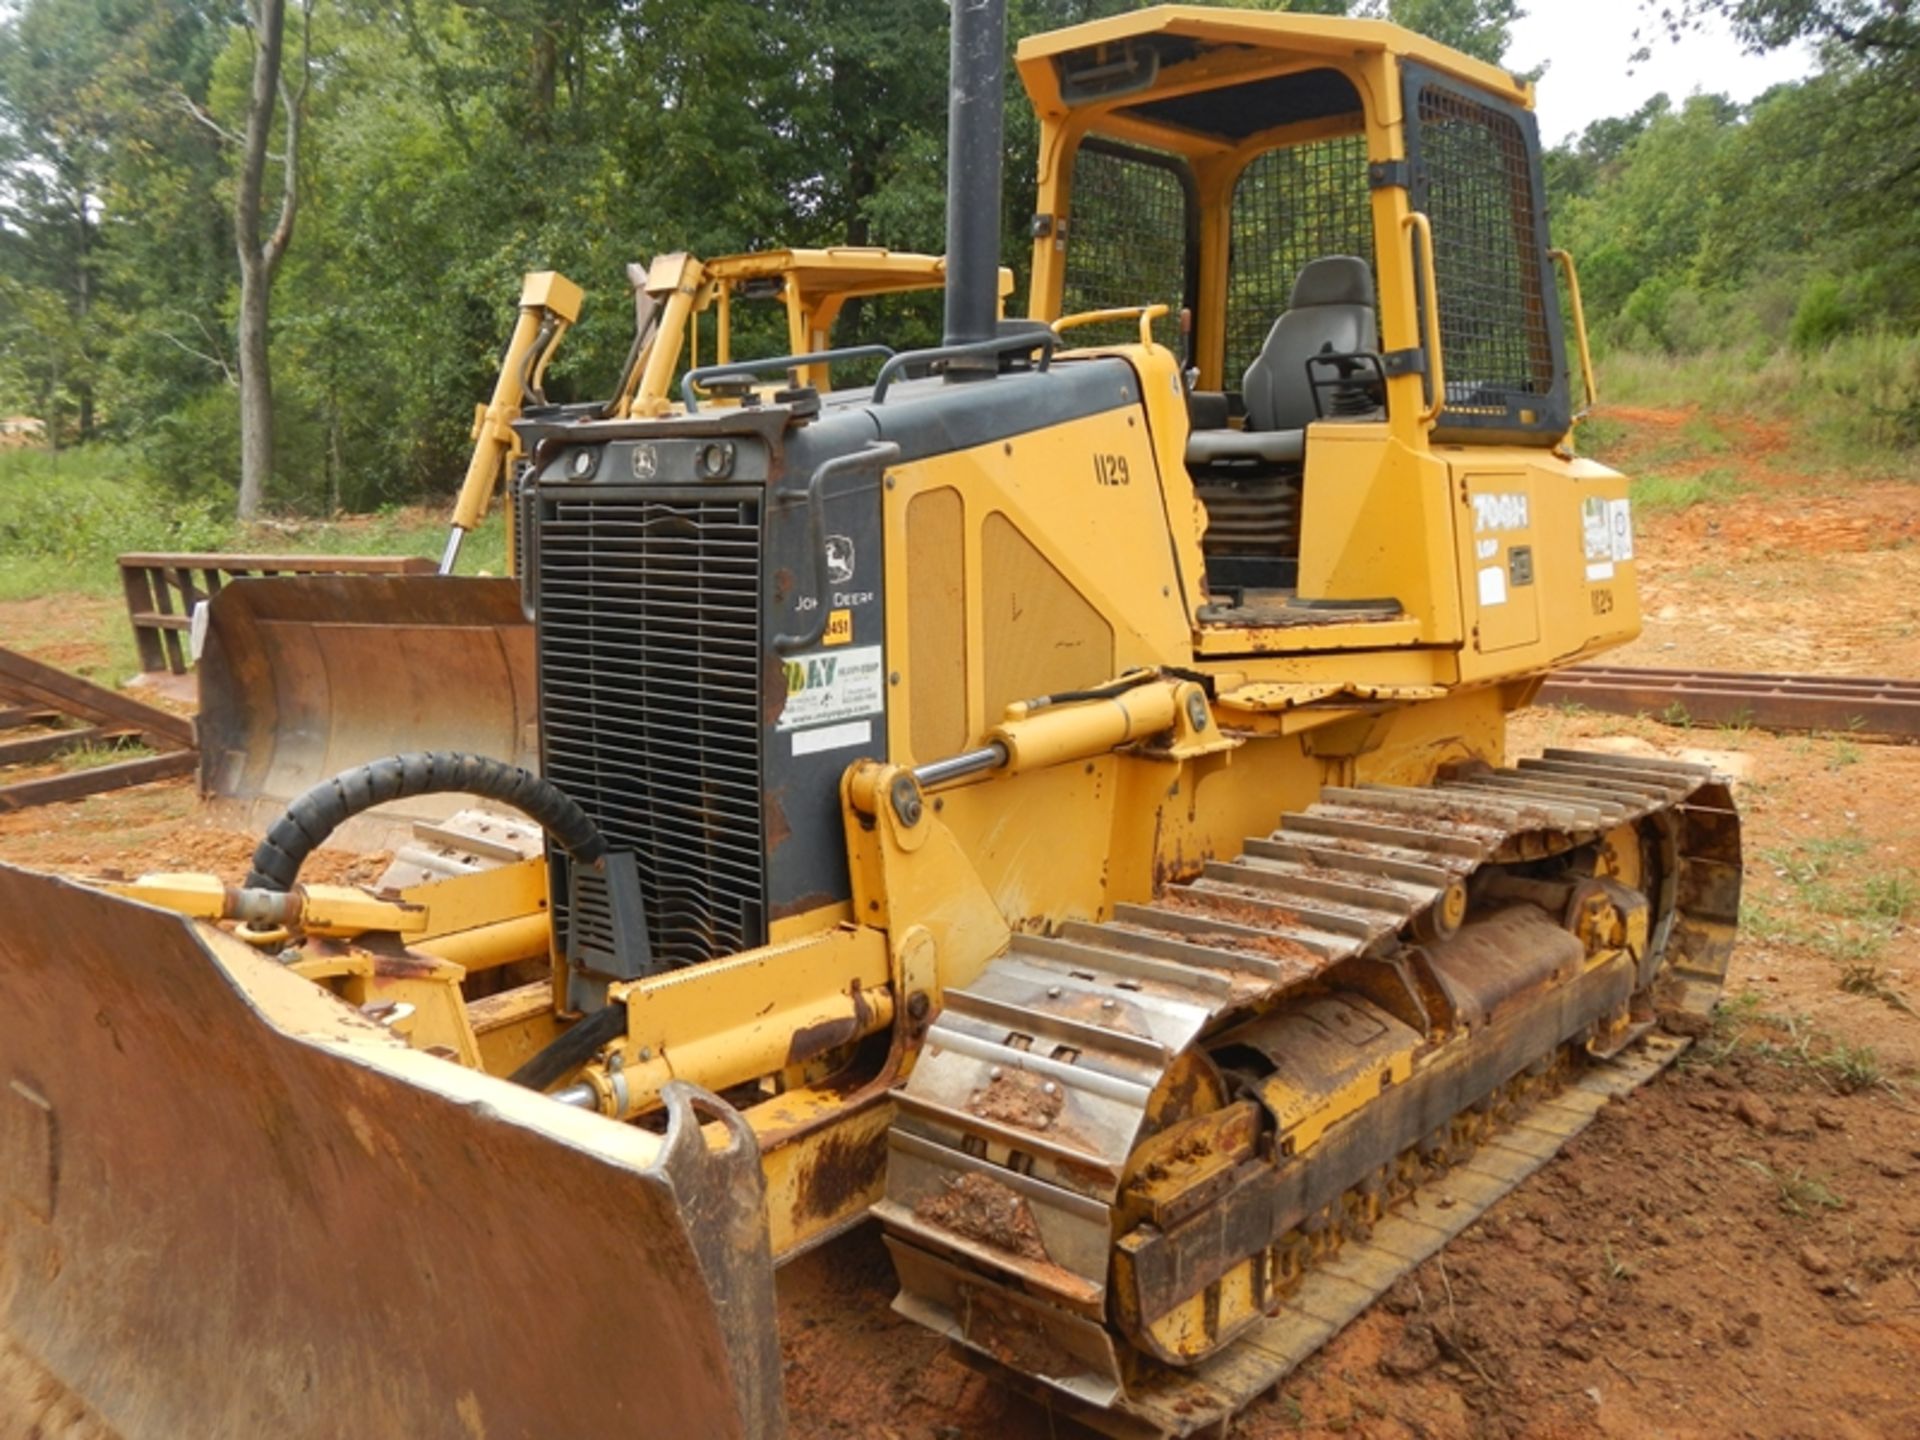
{"x": 976, "y": 83}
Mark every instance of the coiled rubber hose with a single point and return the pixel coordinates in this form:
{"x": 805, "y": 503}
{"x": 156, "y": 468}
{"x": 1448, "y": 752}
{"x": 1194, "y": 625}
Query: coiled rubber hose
{"x": 309, "y": 820}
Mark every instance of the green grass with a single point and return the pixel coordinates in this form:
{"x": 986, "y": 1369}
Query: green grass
{"x": 1855, "y": 403}
{"x": 92, "y": 757}
{"x": 1867, "y": 979}
{"x": 1796, "y": 1192}
{"x": 1835, "y": 910}
{"x": 65, "y": 517}
{"x": 1851, "y": 1068}
{"x": 1892, "y": 895}
{"x": 1741, "y": 1027}
{"x": 1682, "y": 492}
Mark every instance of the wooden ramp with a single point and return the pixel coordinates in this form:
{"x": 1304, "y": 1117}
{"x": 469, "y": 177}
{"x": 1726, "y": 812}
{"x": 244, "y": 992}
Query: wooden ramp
{"x": 64, "y": 714}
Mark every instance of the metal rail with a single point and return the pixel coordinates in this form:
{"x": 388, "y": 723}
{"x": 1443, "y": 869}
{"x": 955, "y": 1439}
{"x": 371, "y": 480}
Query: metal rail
{"x": 1855, "y": 704}
{"x": 36, "y": 696}
{"x": 162, "y": 590}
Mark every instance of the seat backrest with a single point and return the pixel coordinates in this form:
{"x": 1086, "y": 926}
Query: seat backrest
{"x": 1331, "y": 307}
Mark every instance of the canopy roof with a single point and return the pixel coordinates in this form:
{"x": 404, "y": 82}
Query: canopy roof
{"x": 1192, "y": 78}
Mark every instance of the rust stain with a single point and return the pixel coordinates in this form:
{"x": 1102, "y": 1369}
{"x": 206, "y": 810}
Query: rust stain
{"x": 845, "y": 1171}
{"x": 773, "y": 688}
{"x": 982, "y": 1209}
{"x": 778, "y": 830}
{"x": 817, "y": 1039}
{"x": 814, "y": 1040}
{"x": 1178, "y": 867}
{"x": 402, "y": 967}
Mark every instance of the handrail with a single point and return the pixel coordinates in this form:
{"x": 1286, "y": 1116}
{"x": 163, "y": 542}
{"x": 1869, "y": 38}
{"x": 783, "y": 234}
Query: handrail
{"x": 1147, "y": 313}
{"x": 1436, "y": 364}
{"x": 875, "y": 454}
{"x": 1564, "y": 258}
{"x": 748, "y": 368}
{"x": 1041, "y": 340}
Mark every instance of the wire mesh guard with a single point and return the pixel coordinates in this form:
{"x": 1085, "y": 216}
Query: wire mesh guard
{"x": 1127, "y": 243}
{"x": 1290, "y": 206}
{"x": 1487, "y": 256}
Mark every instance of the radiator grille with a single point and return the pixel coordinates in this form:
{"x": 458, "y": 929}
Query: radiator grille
{"x": 650, "y": 673}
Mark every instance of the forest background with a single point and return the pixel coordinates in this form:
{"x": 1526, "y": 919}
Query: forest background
{"x": 1761, "y": 256}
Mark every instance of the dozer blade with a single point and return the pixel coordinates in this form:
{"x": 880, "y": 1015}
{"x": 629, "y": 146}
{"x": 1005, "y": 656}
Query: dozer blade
{"x": 303, "y": 677}
{"x": 232, "y": 1206}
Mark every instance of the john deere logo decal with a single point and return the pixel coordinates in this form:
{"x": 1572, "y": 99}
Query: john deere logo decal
{"x": 839, "y": 559}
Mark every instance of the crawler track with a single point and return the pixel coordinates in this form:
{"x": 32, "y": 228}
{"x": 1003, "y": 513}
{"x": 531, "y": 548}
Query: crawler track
{"x": 1089, "y": 1188}
{"x": 1730, "y": 697}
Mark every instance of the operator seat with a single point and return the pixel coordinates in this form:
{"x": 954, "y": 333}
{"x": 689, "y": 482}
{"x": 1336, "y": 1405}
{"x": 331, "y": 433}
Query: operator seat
{"x": 1331, "y": 309}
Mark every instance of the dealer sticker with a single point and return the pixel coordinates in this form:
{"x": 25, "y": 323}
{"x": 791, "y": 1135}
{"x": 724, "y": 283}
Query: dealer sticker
{"x": 1596, "y": 528}
{"x": 834, "y": 686}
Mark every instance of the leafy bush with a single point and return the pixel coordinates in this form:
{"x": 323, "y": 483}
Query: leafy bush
{"x": 1822, "y": 316}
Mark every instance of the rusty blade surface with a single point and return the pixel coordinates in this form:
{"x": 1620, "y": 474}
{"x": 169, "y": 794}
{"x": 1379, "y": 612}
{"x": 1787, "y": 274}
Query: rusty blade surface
{"x": 1861, "y": 704}
{"x": 306, "y": 676}
{"x": 230, "y": 1206}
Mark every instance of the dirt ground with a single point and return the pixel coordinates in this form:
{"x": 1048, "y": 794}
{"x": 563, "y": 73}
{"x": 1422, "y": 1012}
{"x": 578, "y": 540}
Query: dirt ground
{"x": 1733, "y": 1251}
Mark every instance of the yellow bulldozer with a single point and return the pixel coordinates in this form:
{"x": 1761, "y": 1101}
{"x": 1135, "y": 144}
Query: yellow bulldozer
{"x": 1052, "y": 801}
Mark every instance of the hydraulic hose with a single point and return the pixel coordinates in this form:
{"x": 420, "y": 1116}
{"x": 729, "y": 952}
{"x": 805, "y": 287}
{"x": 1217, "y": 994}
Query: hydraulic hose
{"x": 572, "y": 1048}
{"x": 309, "y": 820}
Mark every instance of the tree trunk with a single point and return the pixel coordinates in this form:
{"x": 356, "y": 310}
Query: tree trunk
{"x": 260, "y": 259}
{"x": 256, "y": 387}
{"x": 83, "y": 390}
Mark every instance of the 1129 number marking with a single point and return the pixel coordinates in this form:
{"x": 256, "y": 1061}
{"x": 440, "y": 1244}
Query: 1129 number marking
{"x": 1111, "y": 470}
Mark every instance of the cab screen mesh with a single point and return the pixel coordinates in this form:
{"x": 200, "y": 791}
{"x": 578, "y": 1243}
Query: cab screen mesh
{"x": 1130, "y": 241}
{"x": 1289, "y": 207}
{"x": 1477, "y": 178}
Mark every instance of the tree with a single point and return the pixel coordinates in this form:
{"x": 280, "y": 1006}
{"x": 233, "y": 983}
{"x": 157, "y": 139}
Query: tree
{"x": 260, "y": 256}
{"x": 54, "y": 144}
{"x": 1480, "y": 28}
{"x": 1884, "y": 29}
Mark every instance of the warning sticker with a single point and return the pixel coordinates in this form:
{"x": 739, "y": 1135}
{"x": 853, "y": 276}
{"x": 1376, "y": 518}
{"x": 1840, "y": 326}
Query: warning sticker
{"x": 1620, "y": 528}
{"x": 841, "y": 685}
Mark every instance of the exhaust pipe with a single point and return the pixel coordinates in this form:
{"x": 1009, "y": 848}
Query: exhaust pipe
{"x": 976, "y": 83}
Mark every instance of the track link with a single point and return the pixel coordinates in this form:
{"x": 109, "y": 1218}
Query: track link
{"x": 1028, "y": 1208}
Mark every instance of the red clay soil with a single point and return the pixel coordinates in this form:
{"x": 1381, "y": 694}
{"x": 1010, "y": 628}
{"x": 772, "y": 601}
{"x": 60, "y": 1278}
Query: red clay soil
{"x": 1796, "y": 571}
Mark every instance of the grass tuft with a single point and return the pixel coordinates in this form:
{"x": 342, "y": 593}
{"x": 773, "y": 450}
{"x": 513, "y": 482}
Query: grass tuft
{"x": 1797, "y": 1193}
{"x": 93, "y": 755}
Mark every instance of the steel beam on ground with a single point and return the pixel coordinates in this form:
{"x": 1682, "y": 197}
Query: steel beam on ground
{"x": 1864, "y": 705}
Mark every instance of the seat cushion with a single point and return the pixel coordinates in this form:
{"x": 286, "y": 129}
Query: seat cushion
{"x": 1331, "y": 310}
{"x": 1204, "y": 447}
